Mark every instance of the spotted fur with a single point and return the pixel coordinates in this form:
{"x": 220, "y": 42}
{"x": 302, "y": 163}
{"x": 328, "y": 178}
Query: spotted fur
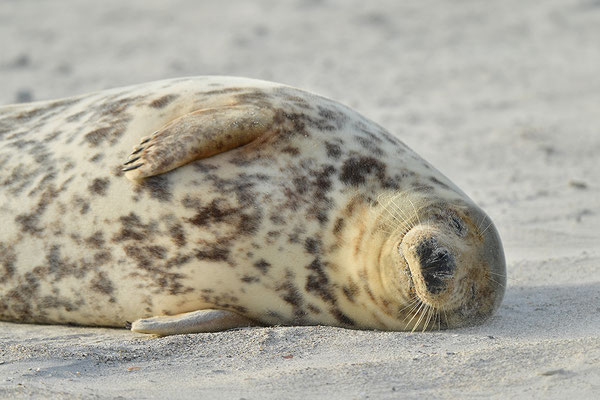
{"x": 279, "y": 229}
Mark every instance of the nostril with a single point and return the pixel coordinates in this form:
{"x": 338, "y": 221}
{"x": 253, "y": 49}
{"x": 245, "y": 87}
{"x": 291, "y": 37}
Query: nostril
{"x": 437, "y": 264}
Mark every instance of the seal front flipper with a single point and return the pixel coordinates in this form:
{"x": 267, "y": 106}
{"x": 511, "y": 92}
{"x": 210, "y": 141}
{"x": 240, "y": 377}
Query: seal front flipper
{"x": 196, "y": 135}
{"x": 192, "y": 322}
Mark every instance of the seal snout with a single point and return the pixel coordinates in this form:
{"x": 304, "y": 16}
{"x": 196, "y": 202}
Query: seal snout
{"x": 436, "y": 264}
{"x": 432, "y": 263}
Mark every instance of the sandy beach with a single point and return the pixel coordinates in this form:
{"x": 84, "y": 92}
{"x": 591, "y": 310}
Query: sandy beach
{"x": 502, "y": 96}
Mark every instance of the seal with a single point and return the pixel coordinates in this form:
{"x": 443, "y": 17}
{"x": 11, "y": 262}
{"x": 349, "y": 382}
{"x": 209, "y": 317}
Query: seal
{"x": 243, "y": 202}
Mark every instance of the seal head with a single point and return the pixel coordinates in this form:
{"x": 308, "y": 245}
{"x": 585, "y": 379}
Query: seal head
{"x": 446, "y": 263}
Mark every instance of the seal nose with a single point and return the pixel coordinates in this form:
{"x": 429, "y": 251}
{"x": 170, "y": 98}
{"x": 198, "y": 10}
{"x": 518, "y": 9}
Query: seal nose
{"x": 437, "y": 264}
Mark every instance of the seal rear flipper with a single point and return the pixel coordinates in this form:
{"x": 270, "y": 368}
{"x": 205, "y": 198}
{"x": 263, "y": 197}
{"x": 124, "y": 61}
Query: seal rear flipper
{"x": 197, "y": 135}
{"x": 192, "y": 322}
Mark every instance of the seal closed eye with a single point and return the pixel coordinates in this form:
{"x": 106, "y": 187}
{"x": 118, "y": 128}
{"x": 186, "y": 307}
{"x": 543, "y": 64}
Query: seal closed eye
{"x": 242, "y": 202}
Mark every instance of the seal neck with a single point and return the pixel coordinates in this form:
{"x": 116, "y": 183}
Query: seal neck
{"x": 362, "y": 248}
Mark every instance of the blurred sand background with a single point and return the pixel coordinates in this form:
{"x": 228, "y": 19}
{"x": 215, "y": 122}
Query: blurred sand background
{"x": 502, "y": 96}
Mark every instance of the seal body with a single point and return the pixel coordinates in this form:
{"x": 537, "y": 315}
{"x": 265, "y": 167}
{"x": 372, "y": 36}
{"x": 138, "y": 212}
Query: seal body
{"x": 249, "y": 197}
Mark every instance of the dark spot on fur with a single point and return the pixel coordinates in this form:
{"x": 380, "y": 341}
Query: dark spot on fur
{"x": 8, "y": 258}
{"x": 216, "y": 211}
{"x": 350, "y": 291}
{"x": 29, "y": 221}
{"x": 342, "y": 318}
{"x": 157, "y": 252}
{"x": 250, "y": 279}
{"x": 18, "y": 303}
{"x": 178, "y": 235}
{"x": 313, "y": 309}
{"x": 133, "y": 229}
{"x": 82, "y": 204}
{"x": 100, "y": 283}
{"x": 329, "y": 119}
{"x": 273, "y": 234}
{"x": 437, "y": 182}
{"x": 97, "y": 136}
{"x": 154, "y": 267}
{"x": 99, "y": 186}
{"x": 102, "y": 257}
{"x": 369, "y": 145}
{"x": 293, "y": 151}
{"x": 317, "y": 282}
{"x": 97, "y": 157}
{"x": 292, "y": 296}
{"x": 338, "y": 226}
{"x": 60, "y": 266}
{"x": 215, "y": 253}
{"x": 118, "y": 171}
{"x": 333, "y": 150}
{"x": 277, "y": 219}
{"x": 112, "y": 118}
{"x": 419, "y": 187}
{"x": 222, "y": 91}
{"x": 203, "y": 166}
{"x": 219, "y": 211}
{"x": 301, "y": 184}
{"x": 96, "y": 240}
{"x": 163, "y": 101}
{"x": 356, "y": 170}
{"x": 117, "y": 108}
{"x": 262, "y": 265}
{"x": 138, "y": 254}
{"x": 288, "y": 95}
{"x": 312, "y": 246}
{"x": 248, "y": 224}
{"x": 294, "y": 237}
{"x": 75, "y": 117}
{"x": 52, "y": 136}
{"x": 257, "y": 97}
{"x": 158, "y": 187}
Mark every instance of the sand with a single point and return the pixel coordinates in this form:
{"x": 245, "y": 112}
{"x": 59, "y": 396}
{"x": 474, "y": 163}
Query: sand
{"x": 501, "y": 96}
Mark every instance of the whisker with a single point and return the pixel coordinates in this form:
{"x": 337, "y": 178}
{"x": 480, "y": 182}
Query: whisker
{"x": 481, "y": 222}
{"x": 414, "y": 208}
{"x": 428, "y": 319}
{"x": 503, "y": 285}
{"x": 405, "y": 224}
{"x": 398, "y": 208}
{"x": 413, "y": 317}
{"x": 445, "y": 316}
{"x": 412, "y": 303}
{"x": 423, "y": 313}
{"x": 486, "y": 228}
